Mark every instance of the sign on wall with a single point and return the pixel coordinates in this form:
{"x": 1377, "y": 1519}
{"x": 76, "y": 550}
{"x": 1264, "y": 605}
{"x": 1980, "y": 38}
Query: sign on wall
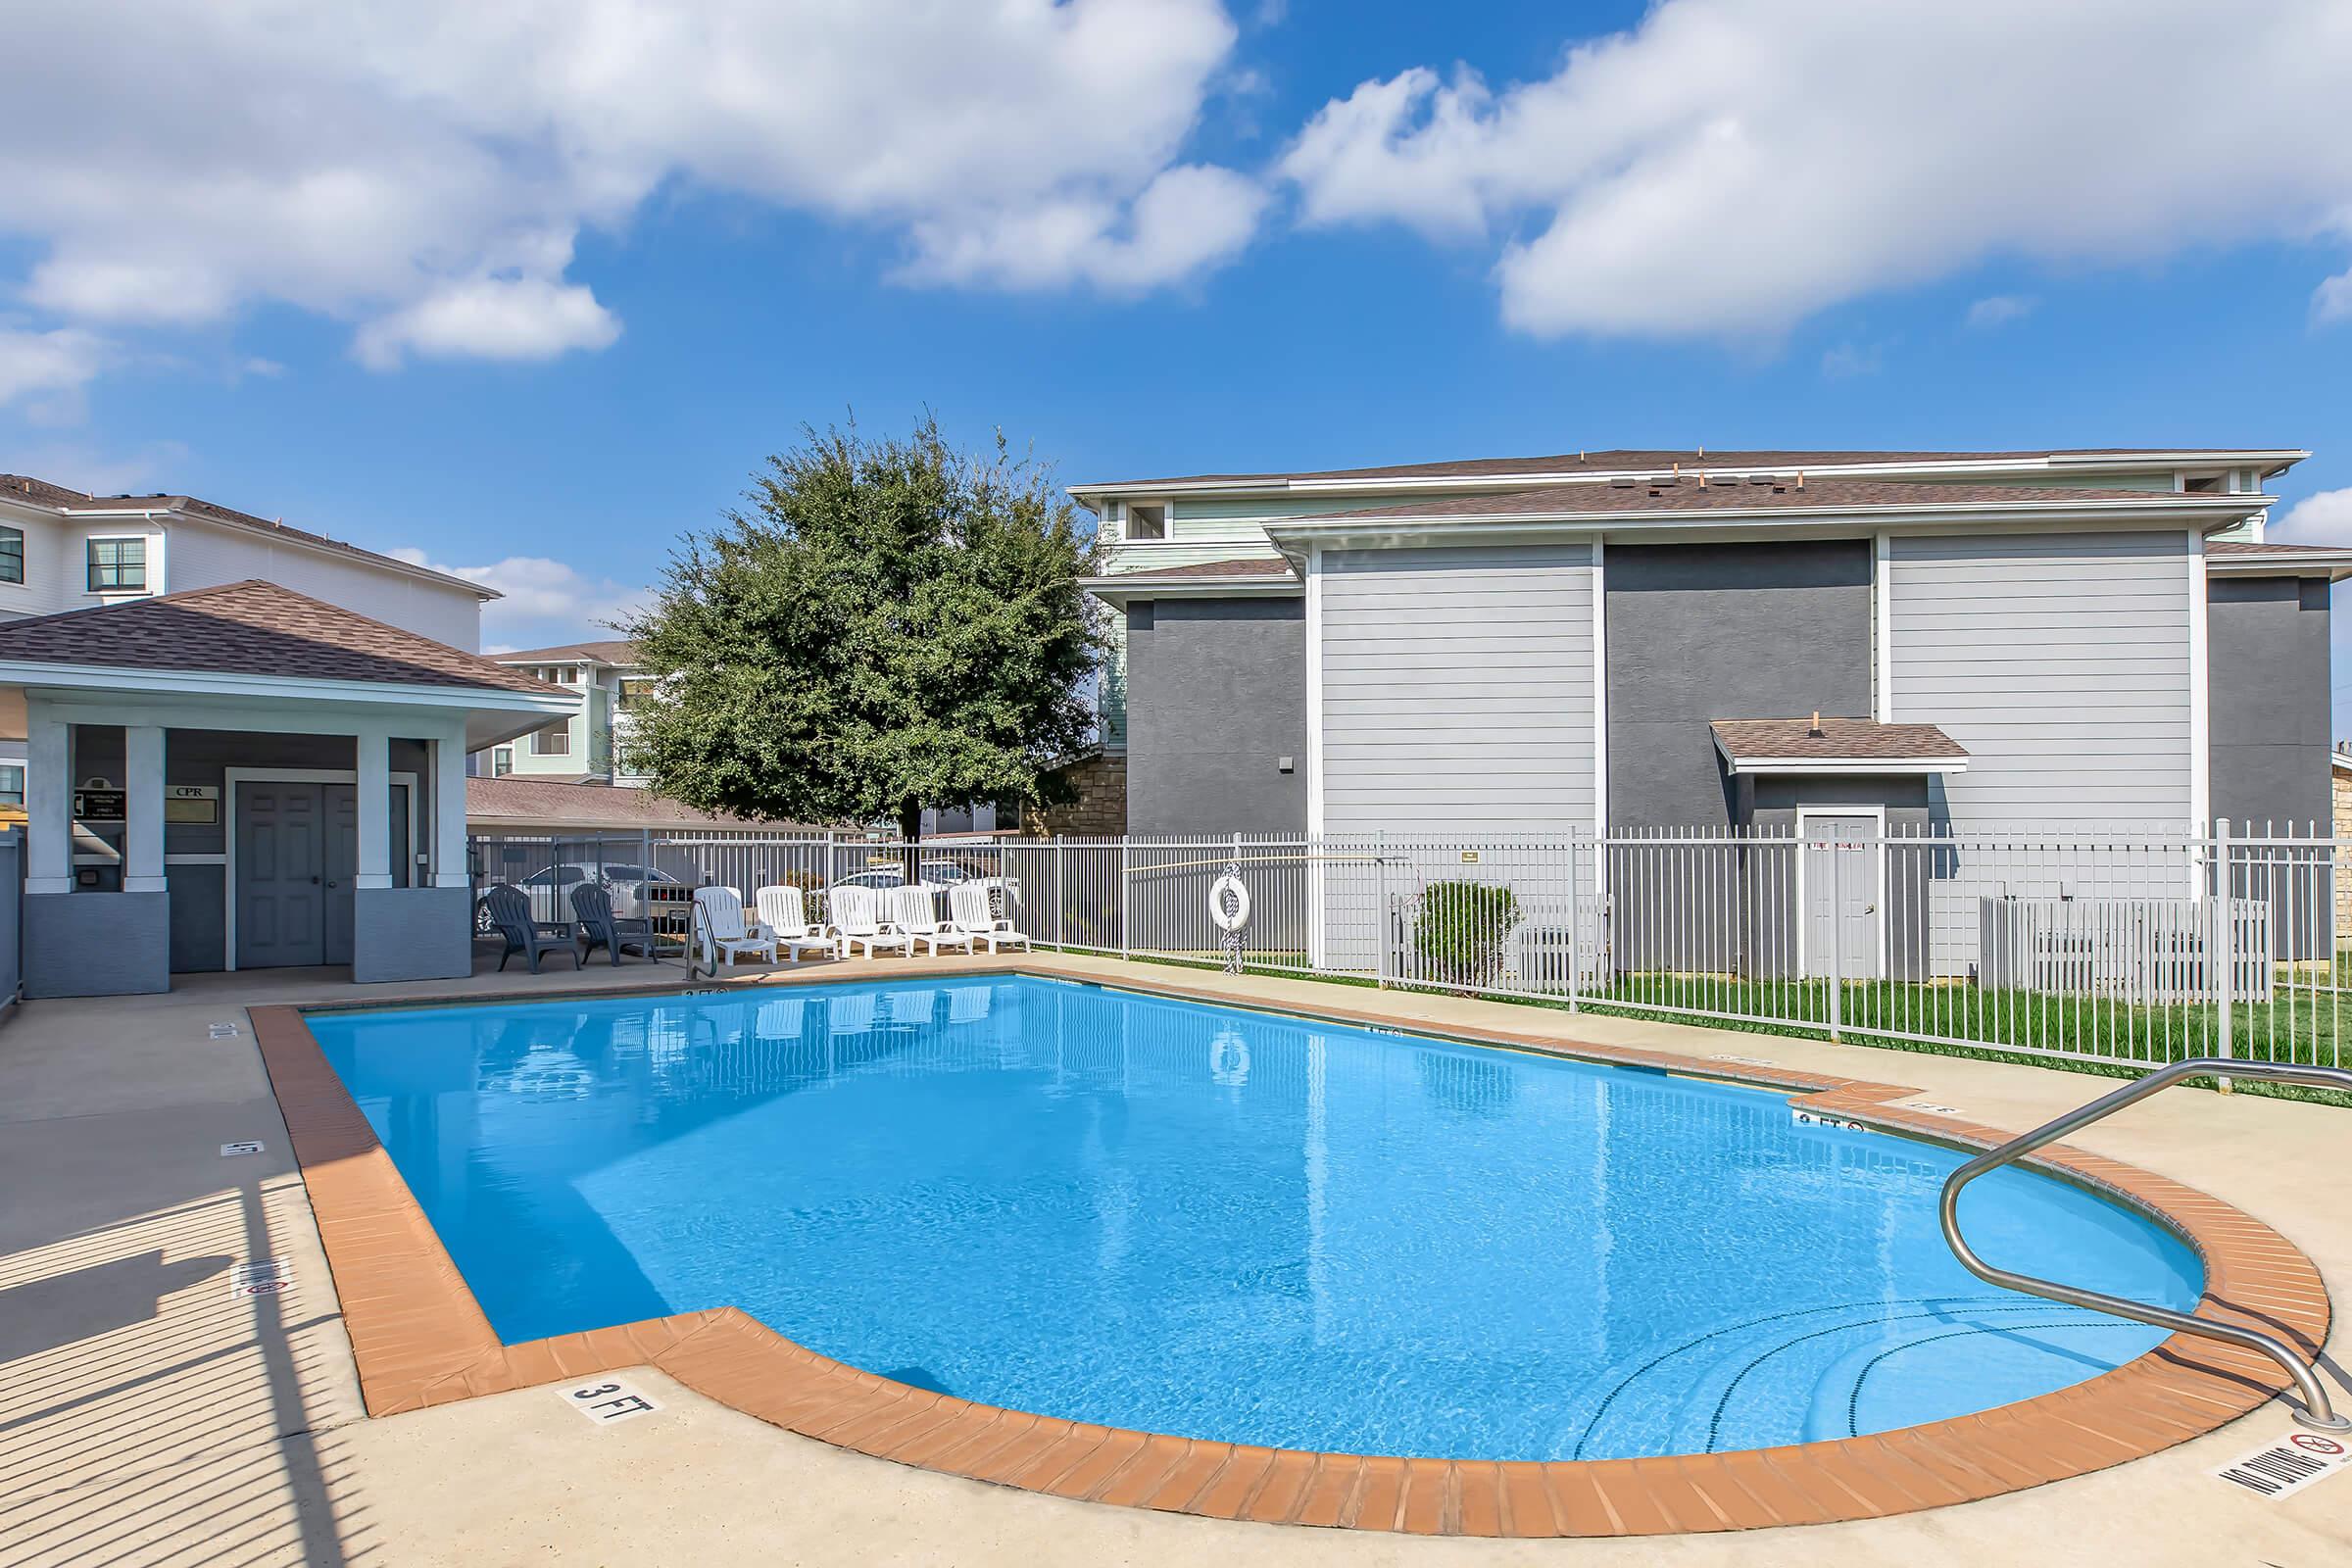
{"x": 192, "y": 802}
{"x": 98, "y": 806}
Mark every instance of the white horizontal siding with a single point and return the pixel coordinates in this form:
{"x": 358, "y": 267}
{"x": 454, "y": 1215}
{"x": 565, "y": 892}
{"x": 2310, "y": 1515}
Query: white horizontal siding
{"x": 204, "y": 556}
{"x": 2061, "y": 661}
{"x": 1457, "y": 690}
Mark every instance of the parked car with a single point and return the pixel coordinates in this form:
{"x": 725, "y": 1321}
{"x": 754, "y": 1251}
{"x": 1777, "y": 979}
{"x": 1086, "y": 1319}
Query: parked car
{"x": 550, "y": 889}
{"x": 937, "y": 875}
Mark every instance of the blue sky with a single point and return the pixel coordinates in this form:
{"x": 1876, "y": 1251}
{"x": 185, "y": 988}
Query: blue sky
{"x": 554, "y": 301}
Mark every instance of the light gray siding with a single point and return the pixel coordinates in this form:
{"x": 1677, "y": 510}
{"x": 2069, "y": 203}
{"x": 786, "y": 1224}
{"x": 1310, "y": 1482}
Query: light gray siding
{"x": 1457, "y": 690}
{"x": 2061, "y": 661}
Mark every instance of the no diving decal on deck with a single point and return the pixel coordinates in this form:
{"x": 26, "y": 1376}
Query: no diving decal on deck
{"x": 2288, "y": 1465}
{"x": 609, "y": 1399}
{"x": 263, "y": 1276}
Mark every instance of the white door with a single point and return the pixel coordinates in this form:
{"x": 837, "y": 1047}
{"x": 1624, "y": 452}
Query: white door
{"x": 1840, "y": 912}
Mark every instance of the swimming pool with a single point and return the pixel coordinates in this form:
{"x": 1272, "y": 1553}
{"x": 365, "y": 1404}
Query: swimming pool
{"x": 1164, "y": 1215}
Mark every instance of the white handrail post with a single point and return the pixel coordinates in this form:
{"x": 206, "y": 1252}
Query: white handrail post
{"x": 1837, "y": 869}
{"x": 1576, "y": 1001}
{"x": 2223, "y": 946}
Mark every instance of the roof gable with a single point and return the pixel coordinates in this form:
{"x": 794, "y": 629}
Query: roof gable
{"x": 255, "y": 628}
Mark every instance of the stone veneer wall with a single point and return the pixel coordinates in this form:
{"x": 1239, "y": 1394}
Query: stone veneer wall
{"x": 1101, "y": 809}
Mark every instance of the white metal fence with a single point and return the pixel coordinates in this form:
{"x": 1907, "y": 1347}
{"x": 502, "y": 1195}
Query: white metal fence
{"x": 2133, "y": 947}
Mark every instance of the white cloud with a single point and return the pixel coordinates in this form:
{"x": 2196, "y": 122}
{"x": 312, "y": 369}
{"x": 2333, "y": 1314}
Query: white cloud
{"x": 2324, "y": 518}
{"x": 1999, "y": 309}
{"x": 423, "y": 170}
{"x": 1186, "y": 219}
{"x": 48, "y": 365}
{"x": 492, "y": 318}
{"x": 1729, "y": 166}
{"x": 546, "y": 601}
{"x": 1845, "y": 361}
{"x": 2331, "y": 301}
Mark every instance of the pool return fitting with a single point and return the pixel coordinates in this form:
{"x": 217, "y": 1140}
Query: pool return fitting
{"x": 2318, "y": 1412}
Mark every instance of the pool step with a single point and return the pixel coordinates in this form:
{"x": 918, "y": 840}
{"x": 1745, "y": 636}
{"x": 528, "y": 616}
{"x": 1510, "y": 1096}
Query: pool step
{"x": 1830, "y": 1371}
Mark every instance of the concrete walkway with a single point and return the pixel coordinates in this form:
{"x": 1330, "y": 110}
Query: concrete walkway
{"x": 148, "y": 1414}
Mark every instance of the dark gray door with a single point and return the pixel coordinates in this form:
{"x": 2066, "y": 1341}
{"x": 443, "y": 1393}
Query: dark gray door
{"x": 341, "y": 859}
{"x": 1842, "y": 891}
{"x": 281, "y": 875}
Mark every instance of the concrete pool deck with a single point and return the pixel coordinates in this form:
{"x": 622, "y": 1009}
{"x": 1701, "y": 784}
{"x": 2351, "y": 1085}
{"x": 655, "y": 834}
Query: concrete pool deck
{"x": 152, "y": 1416}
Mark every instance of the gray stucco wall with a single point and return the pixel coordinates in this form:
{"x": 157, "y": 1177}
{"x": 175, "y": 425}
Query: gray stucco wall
{"x": 411, "y": 933}
{"x": 1217, "y": 697}
{"x": 2268, "y": 663}
{"x": 96, "y": 944}
{"x": 1701, "y": 632}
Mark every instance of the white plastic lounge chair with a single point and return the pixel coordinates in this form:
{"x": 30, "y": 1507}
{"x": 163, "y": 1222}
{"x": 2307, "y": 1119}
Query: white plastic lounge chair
{"x": 969, "y": 913}
{"x": 785, "y": 920}
{"x": 857, "y": 916}
{"x": 719, "y": 916}
{"x": 914, "y": 912}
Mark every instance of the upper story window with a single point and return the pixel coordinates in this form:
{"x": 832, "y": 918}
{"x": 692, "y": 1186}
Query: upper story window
{"x": 630, "y": 690}
{"x": 117, "y": 566}
{"x": 1146, "y": 520}
{"x": 12, "y": 555}
{"x": 12, "y": 784}
{"x": 501, "y": 761}
{"x": 552, "y": 741}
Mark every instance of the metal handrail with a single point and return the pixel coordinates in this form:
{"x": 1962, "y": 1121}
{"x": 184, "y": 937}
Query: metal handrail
{"x": 2318, "y": 1412}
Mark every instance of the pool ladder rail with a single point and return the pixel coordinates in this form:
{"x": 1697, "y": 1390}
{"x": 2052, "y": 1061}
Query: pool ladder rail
{"x": 2317, "y": 1413}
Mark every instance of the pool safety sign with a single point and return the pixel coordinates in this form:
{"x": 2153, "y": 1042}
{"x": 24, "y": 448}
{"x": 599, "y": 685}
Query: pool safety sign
{"x": 263, "y": 1276}
{"x": 2288, "y": 1465}
{"x": 609, "y": 1399}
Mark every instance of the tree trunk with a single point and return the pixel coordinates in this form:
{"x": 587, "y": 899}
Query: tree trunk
{"x": 910, "y": 836}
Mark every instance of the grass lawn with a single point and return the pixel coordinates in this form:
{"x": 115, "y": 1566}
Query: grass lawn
{"x": 2104, "y": 1037}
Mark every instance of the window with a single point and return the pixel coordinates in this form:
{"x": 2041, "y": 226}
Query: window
{"x": 552, "y": 741}
{"x": 634, "y": 689}
{"x": 12, "y": 784}
{"x": 117, "y": 566}
{"x": 501, "y": 761}
{"x": 1146, "y": 520}
{"x": 12, "y": 555}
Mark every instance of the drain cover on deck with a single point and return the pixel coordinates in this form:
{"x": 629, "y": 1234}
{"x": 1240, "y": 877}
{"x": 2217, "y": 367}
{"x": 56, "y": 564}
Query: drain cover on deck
{"x": 250, "y": 1147}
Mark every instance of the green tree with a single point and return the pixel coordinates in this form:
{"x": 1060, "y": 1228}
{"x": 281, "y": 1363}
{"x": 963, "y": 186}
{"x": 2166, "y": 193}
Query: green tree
{"x": 893, "y": 625}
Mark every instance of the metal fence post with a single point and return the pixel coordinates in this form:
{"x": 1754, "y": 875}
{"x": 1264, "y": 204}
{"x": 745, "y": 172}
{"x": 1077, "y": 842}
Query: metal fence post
{"x": 2224, "y": 945}
{"x": 1388, "y": 915}
{"x": 1061, "y": 919}
{"x": 1123, "y": 943}
{"x": 1836, "y": 939}
{"x": 1576, "y": 961}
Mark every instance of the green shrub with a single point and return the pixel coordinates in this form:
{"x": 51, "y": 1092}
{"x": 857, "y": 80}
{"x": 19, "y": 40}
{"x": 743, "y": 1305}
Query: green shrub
{"x": 1460, "y": 932}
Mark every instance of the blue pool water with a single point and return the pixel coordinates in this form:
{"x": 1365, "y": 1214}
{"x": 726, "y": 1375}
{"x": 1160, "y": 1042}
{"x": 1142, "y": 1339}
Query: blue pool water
{"x": 1222, "y": 1224}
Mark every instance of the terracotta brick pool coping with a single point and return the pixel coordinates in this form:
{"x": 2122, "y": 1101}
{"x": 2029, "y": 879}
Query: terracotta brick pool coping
{"x": 419, "y": 1339}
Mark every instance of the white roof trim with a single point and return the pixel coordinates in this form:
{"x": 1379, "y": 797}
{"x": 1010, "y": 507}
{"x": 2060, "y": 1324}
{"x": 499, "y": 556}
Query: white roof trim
{"x": 2270, "y": 457}
{"x": 131, "y": 681}
{"x": 1115, "y": 589}
{"x": 1816, "y": 766}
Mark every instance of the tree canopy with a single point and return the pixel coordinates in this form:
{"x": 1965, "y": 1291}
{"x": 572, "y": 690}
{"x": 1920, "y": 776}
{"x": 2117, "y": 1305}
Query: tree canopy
{"x": 892, "y": 625}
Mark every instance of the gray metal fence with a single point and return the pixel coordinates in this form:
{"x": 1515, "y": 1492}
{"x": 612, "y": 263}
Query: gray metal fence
{"x": 2131, "y": 945}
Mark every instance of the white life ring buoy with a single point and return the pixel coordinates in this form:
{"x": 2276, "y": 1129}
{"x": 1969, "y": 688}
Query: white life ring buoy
{"x": 1229, "y": 903}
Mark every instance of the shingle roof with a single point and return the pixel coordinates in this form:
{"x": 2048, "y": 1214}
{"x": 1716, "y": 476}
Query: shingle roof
{"x": 1841, "y": 740}
{"x": 1781, "y": 493}
{"x": 556, "y": 802}
{"x": 616, "y": 650}
{"x": 2247, "y": 547}
{"x": 1624, "y": 459}
{"x": 43, "y": 493}
{"x": 255, "y": 628}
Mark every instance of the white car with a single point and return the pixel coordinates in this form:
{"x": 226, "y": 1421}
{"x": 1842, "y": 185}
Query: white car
{"x": 550, "y": 890}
